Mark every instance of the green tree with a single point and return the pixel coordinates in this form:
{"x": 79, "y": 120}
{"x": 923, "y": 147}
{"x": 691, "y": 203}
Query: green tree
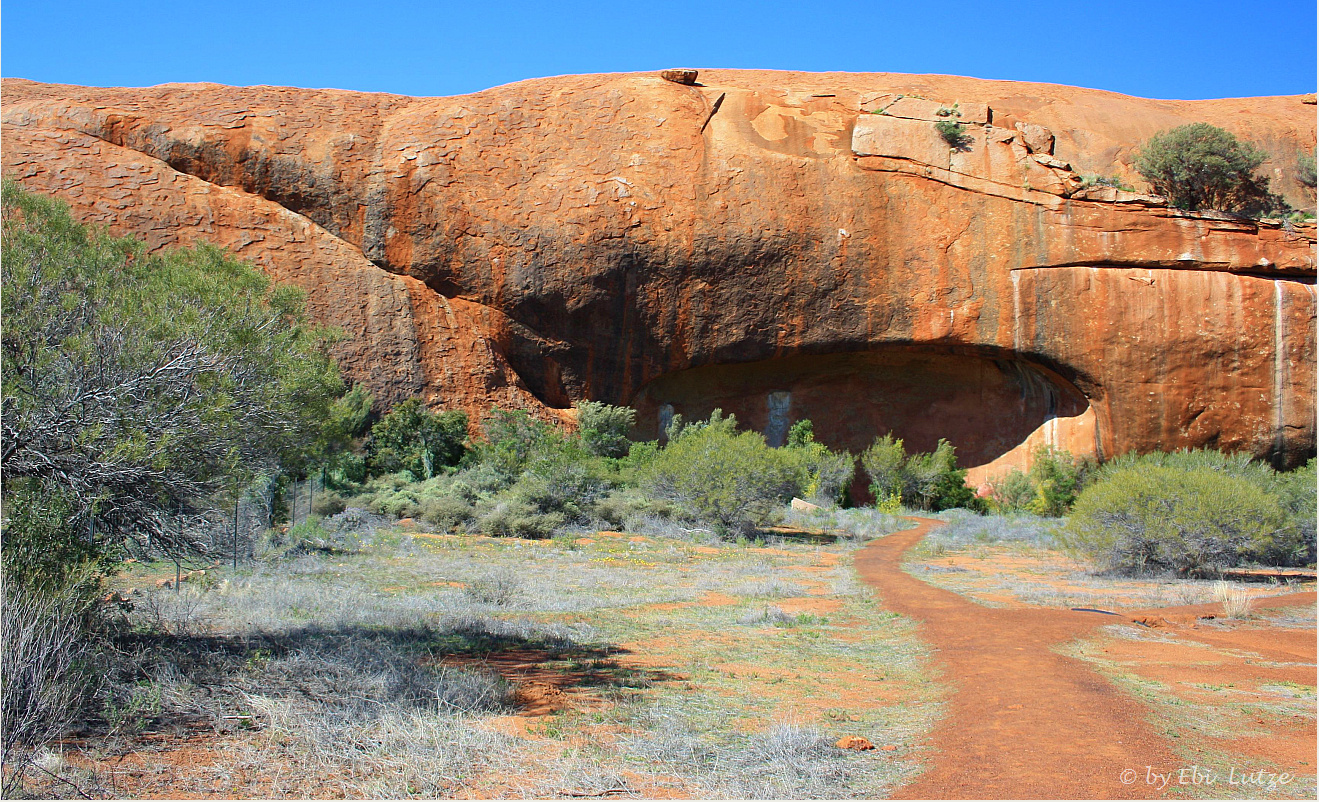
{"x": 136, "y": 385}
{"x": 348, "y": 422}
{"x": 732, "y": 480}
{"x": 412, "y": 438}
{"x": 1201, "y": 166}
{"x": 1057, "y": 477}
{"x": 926, "y": 473}
{"x": 513, "y": 439}
{"x": 885, "y": 462}
{"x": 926, "y": 480}
{"x": 1014, "y": 492}
{"x": 603, "y": 429}
{"x": 1305, "y": 169}
{"x": 823, "y": 474}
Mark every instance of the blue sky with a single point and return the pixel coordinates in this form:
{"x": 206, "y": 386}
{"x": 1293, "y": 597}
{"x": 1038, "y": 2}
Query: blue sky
{"x": 1154, "y": 48}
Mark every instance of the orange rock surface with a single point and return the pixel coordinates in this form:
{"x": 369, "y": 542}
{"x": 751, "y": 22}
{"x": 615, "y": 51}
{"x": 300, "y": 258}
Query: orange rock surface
{"x": 817, "y": 250}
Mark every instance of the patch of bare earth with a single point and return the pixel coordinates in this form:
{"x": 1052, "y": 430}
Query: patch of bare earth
{"x": 1052, "y": 702}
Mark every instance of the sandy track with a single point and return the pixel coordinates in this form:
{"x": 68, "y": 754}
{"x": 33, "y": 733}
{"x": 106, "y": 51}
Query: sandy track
{"x": 1023, "y": 721}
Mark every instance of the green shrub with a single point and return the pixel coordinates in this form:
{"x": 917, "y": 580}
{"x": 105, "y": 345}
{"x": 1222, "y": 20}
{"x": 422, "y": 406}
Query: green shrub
{"x": 926, "y": 480}
{"x": 136, "y": 382}
{"x": 1093, "y": 180}
{"x": 603, "y": 429}
{"x": 732, "y": 481}
{"x": 1194, "y": 521}
{"x": 513, "y": 438}
{"x": 952, "y": 133}
{"x": 925, "y": 474}
{"x": 1056, "y": 477}
{"x": 885, "y": 463}
{"x": 509, "y": 516}
{"x": 572, "y": 491}
{"x": 951, "y": 492}
{"x": 326, "y": 503}
{"x": 823, "y": 474}
{"x": 1305, "y": 169}
{"x": 1239, "y": 465}
{"x": 1295, "y": 491}
{"x": 1201, "y": 166}
{"x": 345, "y": 471}
{"x": 414, "y": 439}
{"x": 449, "y": 513}
{"x": 45, "y": 544}
{"x": 1013, "y": 492}
{"x": 625, "y": 505}
{"x": 305, "y": 538}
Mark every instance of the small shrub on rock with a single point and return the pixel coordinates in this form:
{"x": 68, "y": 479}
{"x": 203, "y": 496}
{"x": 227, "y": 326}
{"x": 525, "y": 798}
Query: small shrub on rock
{"x": 952, "y": 133}
{"x": 1201, "y": 166}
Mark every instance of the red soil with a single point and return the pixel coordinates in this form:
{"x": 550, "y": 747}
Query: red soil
{"x": 1023, "y": 720}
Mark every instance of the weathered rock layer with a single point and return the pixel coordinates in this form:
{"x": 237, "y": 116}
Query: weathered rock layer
{"x": 814, "y": 249}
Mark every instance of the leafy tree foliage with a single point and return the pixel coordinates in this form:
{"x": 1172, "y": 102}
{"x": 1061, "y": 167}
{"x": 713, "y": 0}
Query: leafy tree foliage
{"x": 513, "y": 439}
{"x": 1292, "y": 542}
{"x": 715, "y": 473}
{"x": 1049, "y": 488}
{"x": 925, "y": 480}
{"x": 885, "y": 463}
{"x": 412, "y": 438}
{"x": 824, "y": 474}
{"x": 138, "y": 384}
{"x": 1305, "y": 169}
{"x": 1201, "y": 166}
{"x": 603, "y": 428}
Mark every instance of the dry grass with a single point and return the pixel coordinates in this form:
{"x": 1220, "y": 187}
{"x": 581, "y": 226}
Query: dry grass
{"x": 1235, "y": 600}
{"x": 685, "y": 667}
{"x": 1209, "y": 725}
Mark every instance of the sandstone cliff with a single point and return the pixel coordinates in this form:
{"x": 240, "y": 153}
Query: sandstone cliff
{"x": 812, "y": 249}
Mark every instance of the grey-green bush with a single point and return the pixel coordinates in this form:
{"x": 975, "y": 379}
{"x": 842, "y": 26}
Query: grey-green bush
{"x": 602, "y": 428}
{"x": 824, "y": 474}
{"x": 732, "y": 481}
{"x": 1154, "y": 517}
{"x": 1201, "y": 166}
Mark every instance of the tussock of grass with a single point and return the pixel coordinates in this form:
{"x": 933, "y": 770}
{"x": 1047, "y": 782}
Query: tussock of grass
{"x": 1235, "y": 600}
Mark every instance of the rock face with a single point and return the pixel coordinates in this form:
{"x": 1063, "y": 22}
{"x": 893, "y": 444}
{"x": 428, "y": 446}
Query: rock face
{"x": 818, "y": 251}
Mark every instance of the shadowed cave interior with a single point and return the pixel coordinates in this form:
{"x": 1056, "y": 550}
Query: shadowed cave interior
{"x": 993, "y": 409}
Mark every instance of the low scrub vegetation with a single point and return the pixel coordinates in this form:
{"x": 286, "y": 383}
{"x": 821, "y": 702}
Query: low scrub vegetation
{"x": 1194, "y": 512}
{"x": 925, "y": 481}
{"x": 394, "y": 670}
{"x": 1048, "y": 488}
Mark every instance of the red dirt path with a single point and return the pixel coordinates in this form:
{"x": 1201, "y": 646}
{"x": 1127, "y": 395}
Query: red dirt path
{"x": 1023, "y": 721}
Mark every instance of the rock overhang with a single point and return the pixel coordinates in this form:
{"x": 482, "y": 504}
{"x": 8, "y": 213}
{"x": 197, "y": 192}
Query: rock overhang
{"x": 583, "y": 237}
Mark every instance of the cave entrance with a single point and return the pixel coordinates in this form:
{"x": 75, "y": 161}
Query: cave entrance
{"x": 995, "y": 409}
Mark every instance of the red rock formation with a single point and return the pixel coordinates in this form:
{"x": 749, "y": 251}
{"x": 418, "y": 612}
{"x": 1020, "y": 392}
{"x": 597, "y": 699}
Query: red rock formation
{"x": 800, "y": 256}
